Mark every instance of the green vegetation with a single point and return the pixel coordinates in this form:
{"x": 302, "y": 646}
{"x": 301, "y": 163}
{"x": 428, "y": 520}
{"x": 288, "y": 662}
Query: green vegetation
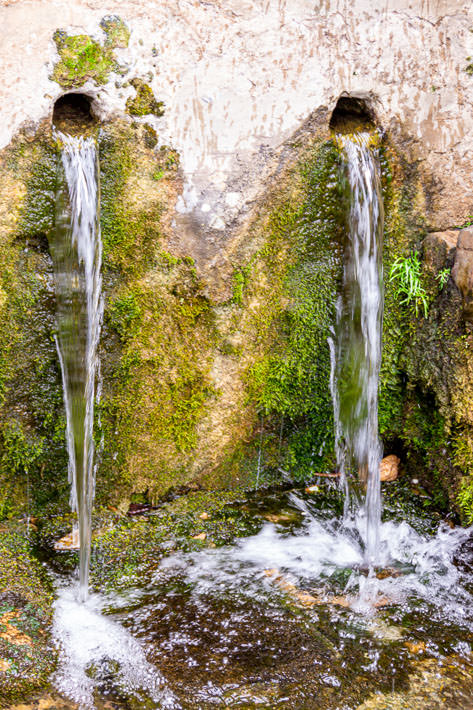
{"x": 144, "y": 102}
{"x": 407, "y": 272}
{"x": 82, "y": 58}
{"x": 442, "y": 277}
{"x": 301, "y": 260}
{"x": 240, "y": 280}
{"x": 25, "y": 615}
{"x": 467, "y": 223}
{"x": 465, "y": 498}
{"x": 33, "y": 462}
{"x": 156, "y": 374}
{"x": 116, "y": 31}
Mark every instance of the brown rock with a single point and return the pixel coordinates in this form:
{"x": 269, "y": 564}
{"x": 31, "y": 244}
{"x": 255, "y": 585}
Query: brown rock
{"x": 68, "y": 542}
{"x": 298, "y": 595}
{"x": 389, "y": 468}
{"x": 201, "y": 536}
{"x": 280, "y": 517}
{"x": 462, "y": 272}
{"x": 415, "y": 646}
{"x": 439, "y": 249}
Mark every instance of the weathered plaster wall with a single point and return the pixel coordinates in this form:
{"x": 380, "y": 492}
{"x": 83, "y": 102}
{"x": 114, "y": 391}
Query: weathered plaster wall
{"x": 239, "y": 77}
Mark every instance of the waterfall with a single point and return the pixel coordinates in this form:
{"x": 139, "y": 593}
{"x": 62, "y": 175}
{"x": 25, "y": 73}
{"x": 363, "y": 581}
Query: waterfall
{"x": 356, "y": 345}
{"x": 77, "y": 254}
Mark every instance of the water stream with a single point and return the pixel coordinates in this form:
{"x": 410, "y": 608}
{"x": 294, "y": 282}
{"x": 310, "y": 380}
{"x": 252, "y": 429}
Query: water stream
{"x": 356, "y": 346}
{"x": 302, "y": 607}
{"x": 77, "y": 254}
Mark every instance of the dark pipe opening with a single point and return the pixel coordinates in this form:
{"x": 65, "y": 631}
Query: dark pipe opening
{"x": 351, "y": 114}
{"x": 73, "y": 110}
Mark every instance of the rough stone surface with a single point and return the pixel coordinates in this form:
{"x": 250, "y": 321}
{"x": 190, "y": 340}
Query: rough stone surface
{"x": 389, "y": 468}
{"x": 462, "y": 272}
{"x": 439, "y": 249}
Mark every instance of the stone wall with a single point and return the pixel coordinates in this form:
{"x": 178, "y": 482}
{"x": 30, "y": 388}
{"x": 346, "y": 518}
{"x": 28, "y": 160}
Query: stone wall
{"x": 221, "y": 223}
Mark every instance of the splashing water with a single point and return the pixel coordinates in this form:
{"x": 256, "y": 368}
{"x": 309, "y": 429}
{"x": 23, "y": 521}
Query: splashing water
{"x": 90, "y": 641}
{"x": 356, "y": 346}
{"x": 77, "y": 256}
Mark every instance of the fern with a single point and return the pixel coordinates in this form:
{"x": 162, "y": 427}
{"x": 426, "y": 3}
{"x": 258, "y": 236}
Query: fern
{"x": 407, "y": 272}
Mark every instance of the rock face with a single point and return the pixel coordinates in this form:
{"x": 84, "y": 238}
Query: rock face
{"x": 439, "y": 249}
{"x": 462, "y": 272}
{"x": 223, "y": 224}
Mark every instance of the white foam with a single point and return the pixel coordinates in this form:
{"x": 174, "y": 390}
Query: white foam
{"x": 86, "y": 637}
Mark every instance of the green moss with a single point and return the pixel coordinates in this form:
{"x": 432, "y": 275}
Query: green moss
{"x": 124, "y": 315}
{"x": 144, "y": 101}
{"x": 118, "y": 34}
{"x": 130, "y": 232}
{"x": 292, "y": 380}
{"x": 82, "y": 58}
{"x": 157, "y": 372}
{"x": 26, "y": 607}
{"x": 240, "y": 279}
{"x": 128, "y": 550}
{"x": 465, "y": 498}
{"x": 33, "y": 463}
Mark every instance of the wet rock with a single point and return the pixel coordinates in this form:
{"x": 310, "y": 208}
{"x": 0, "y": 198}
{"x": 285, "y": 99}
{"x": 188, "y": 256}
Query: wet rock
{"x": 415, "y": 646}
{"x": 386, "y": 572}
{"x": 299, "y": 596}
{"x": 389, "y": 468}
{"x": 201, "y": 536}
{"x": 462, "y": 272}
{"x": 68, "y": 542}
{"x": 463, "y": 557}
{"x": 439, "y": 249}
{"x": 312, "y": 489}
{"x": 138, "y": 509}
{"x": 282, "y": 518}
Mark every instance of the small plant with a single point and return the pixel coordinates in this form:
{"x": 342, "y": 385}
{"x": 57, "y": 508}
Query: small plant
{"x": 240, "y": 281}
{"x": 465, "y": 498}
{"x": 407, "y": 272}
{"x": 442, "y": 277}
{"x": 467, "y": 223}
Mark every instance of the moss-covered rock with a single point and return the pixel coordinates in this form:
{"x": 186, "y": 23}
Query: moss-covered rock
{"x": 33, "y": 462}
{"x": 144, "y": 101}
{"x": 26, "y": 654}
{"x": 82, "y": 58}
{"x": 426, "y": 397}
{"x": 232, "y": 393}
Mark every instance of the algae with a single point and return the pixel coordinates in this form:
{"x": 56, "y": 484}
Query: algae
{"x": 82, "y": 58}
{"x": 27, "y": 656}
{"x": 144, "y": 101}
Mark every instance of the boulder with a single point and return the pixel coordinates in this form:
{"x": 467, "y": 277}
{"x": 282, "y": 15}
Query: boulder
{"x": 439, "y": 249}
{"x": 462, "y": 272}
{"x": 69, "y": 541}
{"x": 389, "y": 468}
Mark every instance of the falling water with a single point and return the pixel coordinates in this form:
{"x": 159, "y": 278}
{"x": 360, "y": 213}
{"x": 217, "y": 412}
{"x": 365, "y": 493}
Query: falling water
{"x": 77, "y": 255}
{"x": 356, "y": 347}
